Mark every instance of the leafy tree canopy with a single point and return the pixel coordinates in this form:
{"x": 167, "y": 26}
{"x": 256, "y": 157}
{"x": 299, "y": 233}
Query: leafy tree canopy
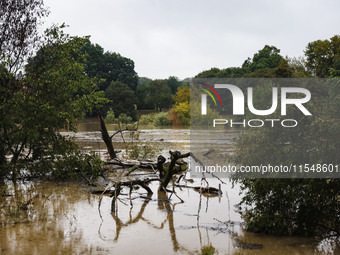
{"x": 323, "y": 56}
{"x": 157, "y": 94}
{"x": 108, "y": 66}
{"x": 122, "y": 99}
{"x": 19, "y": 35}
{"x": 51, "y": 96}
{"x": 268, "y": 57}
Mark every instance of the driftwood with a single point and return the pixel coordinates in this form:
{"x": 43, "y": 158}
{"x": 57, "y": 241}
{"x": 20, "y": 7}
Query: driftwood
{"x": 132, "y": 163}
{"x": 174, "y": 157}
{"x": 203, "y": 190}
{"x": 142, "y": 183}
{"x": 167, "y": 171}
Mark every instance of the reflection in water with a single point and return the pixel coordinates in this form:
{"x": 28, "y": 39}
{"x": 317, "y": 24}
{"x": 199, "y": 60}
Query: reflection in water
{"x": 64, "y": 219}
{"x": 164, "y": 204}
{"x": 132, "y": 220}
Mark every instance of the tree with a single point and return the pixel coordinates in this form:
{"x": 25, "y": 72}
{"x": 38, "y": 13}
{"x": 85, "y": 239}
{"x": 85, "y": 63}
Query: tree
{"x": 230, "y": 72}
{"x": 108, "y": 66}
{"x": 299, "y": 68}
{"x": 142, "y": 92}
{"x": 173, "y": 84}
{"x": 19, "y": 35}
{"x": 122, "y": 99}
{"x": 322, "y": 56}
{"x": 158, "y": 94}
{"x": 53, "y": 94}
{"x": 268, "y": 57}
{"x": 212, "y": 73}
{"x": 182, "y": 105}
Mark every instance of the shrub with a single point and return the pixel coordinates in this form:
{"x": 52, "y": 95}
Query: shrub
{"x": 156, "y": 119}
{"x": 124, "y": 119}
{"x": 161, "y": 119}
{"x": 110, "y": 117}
{"x": 146, "y": 119}
{"x": 138, "y": 149}
{"x": 183, "y": 113}
{"x": 208, "y": 250}
{"x": 77, "y": 165}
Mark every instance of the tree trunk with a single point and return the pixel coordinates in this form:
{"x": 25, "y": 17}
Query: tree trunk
{"x": 106, "y": 138}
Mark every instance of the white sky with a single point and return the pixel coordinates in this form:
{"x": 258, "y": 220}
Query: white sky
{"x": 184, "y": 37}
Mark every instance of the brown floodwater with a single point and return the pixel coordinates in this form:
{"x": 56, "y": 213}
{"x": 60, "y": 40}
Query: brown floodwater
{"x": 67, "y": 219}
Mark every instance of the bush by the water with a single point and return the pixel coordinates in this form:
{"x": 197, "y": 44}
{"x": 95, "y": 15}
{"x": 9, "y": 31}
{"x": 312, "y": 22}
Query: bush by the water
{"x": 122, "y": 118}
{"x": 156, "y": 119}
{"x": 110, "y": 117}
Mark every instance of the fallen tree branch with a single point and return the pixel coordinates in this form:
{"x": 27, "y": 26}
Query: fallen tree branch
{"x": 131, "y": 170}
{"x": 132, "y": 163}
{"x": 174, "y": 157}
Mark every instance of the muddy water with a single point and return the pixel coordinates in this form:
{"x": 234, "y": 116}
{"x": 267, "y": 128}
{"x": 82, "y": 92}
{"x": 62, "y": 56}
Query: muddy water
{"x": 68, "y": 219}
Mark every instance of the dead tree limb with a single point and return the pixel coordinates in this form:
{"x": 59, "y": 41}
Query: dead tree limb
{"x": 160, "y": 165}
{"x": 132, "y": 163}
{"x": 174, "y": 157}
{"x": 106, "y": 138}
{"x": 131, "y": 170}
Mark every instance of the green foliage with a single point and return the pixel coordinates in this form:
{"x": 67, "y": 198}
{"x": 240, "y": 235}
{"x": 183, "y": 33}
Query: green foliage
{"x": 323, "y": 55}
{"x": 283, "y": 70}
{"x": 161, "y": 119}
{"x": 230, "y": 72}
{"x": 264, "y": 63}
{"x": 19, "y": 31}
{"x": 54, "y": 94}
{"x": 138, "y": 149}
{"x": 268, "y": 57}
{"x": 197, "y": 120}
{"x": 122, "y": 99}
{"x": 183, "y": 112}
{"x": 156, "y": 119}
{"x": 182, "y": 105}
{"x": 293, "y": 206}
{"x": 75, "y": 165}
{"x": 157, "y": 94}
{"x": 124, "y": 119}
{"x": 111, "y": 67}
{"x": 182, "y": 95}
{"x": 173, "y": 84}
{"x": 110, "y": 117}
{"x": 147, "y": 119}
{"x": 298, "y": 66}
{"x": 208, "y": 250}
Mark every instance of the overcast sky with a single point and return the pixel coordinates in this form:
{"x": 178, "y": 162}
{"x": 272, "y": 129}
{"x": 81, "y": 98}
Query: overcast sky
{"x": 184, "y": 37}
